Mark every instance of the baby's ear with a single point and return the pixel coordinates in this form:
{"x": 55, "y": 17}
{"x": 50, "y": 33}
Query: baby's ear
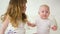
{"x": 38, "y": 12}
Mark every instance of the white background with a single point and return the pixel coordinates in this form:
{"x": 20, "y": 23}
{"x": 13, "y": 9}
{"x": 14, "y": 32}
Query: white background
{"x": 32, "y": 10}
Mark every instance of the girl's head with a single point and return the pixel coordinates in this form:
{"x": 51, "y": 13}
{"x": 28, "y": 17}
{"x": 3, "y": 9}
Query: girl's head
{"x": 15, "y": 10}
{"x": 44, "y": 11}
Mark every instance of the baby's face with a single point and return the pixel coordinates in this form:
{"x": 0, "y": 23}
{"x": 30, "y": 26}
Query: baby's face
{"x": 44, "y": 12}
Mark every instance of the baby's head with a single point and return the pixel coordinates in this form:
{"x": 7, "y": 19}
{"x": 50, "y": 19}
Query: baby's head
{"x": 44, "y": 11}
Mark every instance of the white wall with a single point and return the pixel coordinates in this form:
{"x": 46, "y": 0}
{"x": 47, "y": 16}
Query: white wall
{"x": 32, "y": 9}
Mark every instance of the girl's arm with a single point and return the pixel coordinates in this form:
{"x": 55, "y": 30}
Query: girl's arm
{"x": 4, "y": 26}
{"x": 30, "y": 24}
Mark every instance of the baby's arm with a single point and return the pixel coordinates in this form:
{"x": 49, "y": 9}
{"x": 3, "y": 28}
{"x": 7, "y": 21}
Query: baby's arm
{"x": 54, "y": 24}
{"x": 4, "y": 26}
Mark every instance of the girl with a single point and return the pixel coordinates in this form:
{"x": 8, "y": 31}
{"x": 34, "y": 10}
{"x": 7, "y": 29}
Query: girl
{"x": 14, "y": 18}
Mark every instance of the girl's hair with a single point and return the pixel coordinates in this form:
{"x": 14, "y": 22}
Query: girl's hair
{"x": 14, "y": 11}
{"x": 24, "y": 17}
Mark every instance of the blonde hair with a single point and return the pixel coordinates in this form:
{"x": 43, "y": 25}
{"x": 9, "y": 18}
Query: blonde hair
{"x": 45, "y": 5}
{"x": 14, "y": 11}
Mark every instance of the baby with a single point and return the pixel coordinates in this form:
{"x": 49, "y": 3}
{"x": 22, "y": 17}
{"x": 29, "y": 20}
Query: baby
{"x": 42, "y": 21}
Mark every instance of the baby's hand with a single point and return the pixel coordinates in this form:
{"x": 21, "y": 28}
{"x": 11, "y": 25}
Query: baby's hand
{"x": 54, "y": 27}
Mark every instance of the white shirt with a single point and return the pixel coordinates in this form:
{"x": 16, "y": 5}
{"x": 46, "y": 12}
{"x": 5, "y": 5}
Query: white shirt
{"x": 43, "y": 25}
{"x": 12, "y": 30}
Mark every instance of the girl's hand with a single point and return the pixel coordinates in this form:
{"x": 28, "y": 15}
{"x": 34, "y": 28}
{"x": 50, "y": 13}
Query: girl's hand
{"x": 34, "y": 33}
{"x": 30, "y": 24}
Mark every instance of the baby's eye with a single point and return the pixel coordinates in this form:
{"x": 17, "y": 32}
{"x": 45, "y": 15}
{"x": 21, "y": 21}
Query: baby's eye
{"x": 46, "y": 11}
{"x": 42, "y": 11}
